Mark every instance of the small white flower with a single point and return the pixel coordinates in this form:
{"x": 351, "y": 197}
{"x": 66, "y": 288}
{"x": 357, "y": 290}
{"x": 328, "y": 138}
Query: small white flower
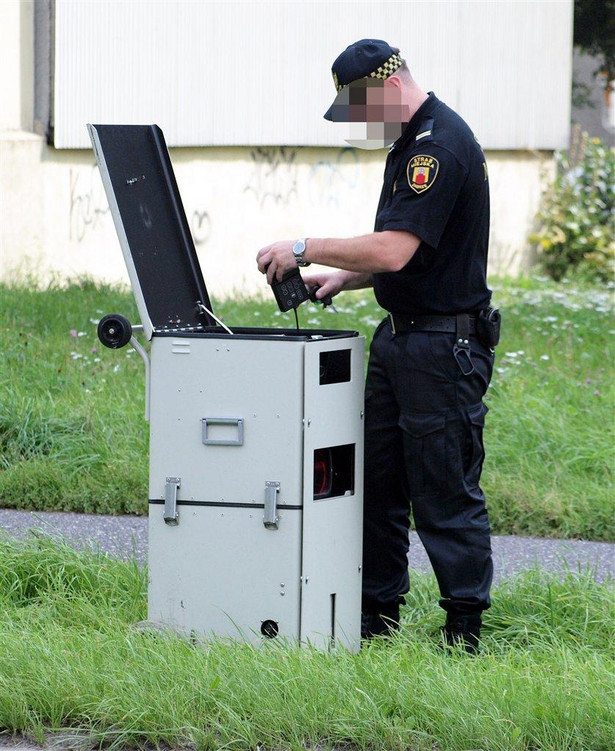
{"x": 544, "y": 357}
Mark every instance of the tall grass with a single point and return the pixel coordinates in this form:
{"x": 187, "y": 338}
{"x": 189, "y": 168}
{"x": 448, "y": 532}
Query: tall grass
{"x": 70, "y": 657}
{"x": 72, "y": 434}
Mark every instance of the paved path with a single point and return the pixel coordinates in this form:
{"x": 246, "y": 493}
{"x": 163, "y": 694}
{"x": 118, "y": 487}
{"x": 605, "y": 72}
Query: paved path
{"x": 126, "y": 537}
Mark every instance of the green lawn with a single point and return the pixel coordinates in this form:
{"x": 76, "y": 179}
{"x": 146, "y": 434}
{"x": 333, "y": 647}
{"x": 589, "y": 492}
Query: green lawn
{"x": 73, "y": 437}
{"x": 70, "y": 657}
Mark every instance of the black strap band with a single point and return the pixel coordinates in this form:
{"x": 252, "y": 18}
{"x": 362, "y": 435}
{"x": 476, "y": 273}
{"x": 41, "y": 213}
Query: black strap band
{"x": 401, "y": 323}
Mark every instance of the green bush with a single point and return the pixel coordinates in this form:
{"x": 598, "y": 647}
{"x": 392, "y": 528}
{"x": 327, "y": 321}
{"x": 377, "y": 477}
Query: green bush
{"x": 577, "y": 217}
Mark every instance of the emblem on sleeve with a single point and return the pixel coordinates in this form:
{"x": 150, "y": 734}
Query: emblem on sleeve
{"x": 421, "y": 172}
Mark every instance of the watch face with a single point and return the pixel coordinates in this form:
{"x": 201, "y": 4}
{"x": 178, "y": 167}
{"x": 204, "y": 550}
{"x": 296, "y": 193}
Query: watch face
{"x": 298, "y": 247}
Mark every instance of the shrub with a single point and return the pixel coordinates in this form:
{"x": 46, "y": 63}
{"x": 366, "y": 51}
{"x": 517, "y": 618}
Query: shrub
{"x": 577, "y": 217}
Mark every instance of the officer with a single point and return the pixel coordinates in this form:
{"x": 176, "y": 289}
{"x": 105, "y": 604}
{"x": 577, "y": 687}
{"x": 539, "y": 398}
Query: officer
{"x": 431, "y": 358}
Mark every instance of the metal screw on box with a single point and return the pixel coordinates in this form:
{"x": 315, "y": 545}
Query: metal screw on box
{"x": 231, "y": 551}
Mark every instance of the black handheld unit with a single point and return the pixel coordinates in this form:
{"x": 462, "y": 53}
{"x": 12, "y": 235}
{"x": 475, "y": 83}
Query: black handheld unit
{"x": 291, "y": 291}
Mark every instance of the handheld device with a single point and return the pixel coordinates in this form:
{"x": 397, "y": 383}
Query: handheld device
{"x": 292, "y": 291}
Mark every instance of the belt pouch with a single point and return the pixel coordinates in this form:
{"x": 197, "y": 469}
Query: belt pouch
{"x": 488, "y": 326}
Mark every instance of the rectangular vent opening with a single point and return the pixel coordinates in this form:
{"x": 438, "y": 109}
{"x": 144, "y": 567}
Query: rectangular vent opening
{"x": 334, "y": 366}
{"x": 334, "y": 471}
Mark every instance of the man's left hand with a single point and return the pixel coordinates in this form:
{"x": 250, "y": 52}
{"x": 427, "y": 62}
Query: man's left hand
{"x": 276, "y": 259}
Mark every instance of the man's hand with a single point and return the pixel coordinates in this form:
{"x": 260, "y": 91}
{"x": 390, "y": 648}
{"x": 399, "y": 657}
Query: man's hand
{"x": 331, "y": 283}
{"x": 276, "y": 259}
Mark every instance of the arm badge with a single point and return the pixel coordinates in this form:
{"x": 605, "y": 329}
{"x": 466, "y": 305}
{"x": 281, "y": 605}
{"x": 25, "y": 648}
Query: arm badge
{"x": 421, "y": 172}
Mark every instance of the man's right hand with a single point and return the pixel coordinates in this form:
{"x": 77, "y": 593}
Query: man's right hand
{"x": 333, "y": 282}
{"x": 328, "y": 283}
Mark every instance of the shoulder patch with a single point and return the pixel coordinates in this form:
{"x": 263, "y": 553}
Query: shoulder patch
{"x": 421, "y": 172}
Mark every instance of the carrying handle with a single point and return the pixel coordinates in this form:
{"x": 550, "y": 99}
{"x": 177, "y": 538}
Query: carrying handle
{"x": 207, "y": 422}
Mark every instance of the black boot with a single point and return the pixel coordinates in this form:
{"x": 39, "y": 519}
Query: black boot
{"x": 462, "y": 630}
{"x": 381, "y": 623}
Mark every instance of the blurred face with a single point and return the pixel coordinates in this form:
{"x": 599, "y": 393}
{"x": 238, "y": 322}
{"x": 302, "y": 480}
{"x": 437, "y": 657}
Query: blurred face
{"x": 373, "y": 111}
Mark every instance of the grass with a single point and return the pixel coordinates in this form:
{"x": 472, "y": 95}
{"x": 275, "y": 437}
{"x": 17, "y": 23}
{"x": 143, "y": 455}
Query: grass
{"x": 71, "y": 658}
{"x": 72, "y": 434}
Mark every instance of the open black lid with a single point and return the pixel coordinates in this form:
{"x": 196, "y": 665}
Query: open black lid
{"x": 152, "y": 228}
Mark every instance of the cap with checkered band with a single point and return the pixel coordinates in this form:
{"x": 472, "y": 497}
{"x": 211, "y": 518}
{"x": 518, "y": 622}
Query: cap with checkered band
{"x": 367, "y": 58}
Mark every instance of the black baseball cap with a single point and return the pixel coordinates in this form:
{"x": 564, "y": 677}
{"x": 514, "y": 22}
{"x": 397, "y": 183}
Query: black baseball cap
{"x": 367, "y": 58}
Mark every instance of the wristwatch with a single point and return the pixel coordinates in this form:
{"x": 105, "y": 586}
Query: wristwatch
{"x": 299, "y": 250}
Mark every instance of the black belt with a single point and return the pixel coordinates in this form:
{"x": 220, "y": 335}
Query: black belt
{"x": 402, "y": 322}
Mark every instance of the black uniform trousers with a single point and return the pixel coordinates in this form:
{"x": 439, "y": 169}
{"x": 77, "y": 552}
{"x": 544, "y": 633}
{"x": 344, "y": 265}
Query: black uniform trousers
{"x": 424, "y": 453}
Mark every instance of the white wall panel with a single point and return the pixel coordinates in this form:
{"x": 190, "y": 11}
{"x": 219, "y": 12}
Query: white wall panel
{"x": 258, "y": 73}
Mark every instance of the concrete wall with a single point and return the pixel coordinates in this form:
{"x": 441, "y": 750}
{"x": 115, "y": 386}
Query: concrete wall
{"x": 54, "y": 219}
{"x": 16, "y": 70}
{"x": 236, "y": 200}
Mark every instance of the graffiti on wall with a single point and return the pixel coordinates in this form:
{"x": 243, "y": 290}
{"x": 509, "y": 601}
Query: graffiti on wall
{"x": 331, "y": 179}
{"x": 274, "y": 175}
{"x": 274, "y": 179}
{"x": 200, "y": 226}
{"x": 88, "y": 207}
{"x": 88, "y": 203}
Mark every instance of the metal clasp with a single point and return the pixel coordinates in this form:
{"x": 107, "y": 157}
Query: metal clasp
{"x": 461, "y": 349}
{"x": 270, "y": 515}
{"x": 171, "y": 514}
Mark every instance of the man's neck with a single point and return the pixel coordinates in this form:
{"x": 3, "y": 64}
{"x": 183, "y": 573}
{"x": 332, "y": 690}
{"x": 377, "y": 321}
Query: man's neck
{"x": 416, "y": 97}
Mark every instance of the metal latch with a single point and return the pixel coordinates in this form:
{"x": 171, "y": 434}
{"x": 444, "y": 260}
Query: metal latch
{"x": 171, "y": 514}
{"x": 270, "y": 517}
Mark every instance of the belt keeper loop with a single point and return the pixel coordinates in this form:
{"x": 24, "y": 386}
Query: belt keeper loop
{"x": 463, "y": 330}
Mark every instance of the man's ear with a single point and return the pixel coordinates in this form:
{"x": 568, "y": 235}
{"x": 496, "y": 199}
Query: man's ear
{"x": 394, "y": 80}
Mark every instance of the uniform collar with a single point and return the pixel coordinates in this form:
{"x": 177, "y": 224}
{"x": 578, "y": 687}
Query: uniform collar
{"x": 411, "y": 130}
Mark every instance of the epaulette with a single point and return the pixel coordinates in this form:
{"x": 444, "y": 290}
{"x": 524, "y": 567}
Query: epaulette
{"x": 425, "y": 130}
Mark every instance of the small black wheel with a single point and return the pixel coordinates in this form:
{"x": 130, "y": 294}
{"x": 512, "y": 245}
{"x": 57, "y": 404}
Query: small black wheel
{"x": 114, "y": 331}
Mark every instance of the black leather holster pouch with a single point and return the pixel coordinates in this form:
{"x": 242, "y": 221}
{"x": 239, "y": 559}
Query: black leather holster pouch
{"x": 488, "y": 327}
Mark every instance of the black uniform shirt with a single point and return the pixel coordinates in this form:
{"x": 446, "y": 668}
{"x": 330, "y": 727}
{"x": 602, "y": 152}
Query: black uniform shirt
{"x": 435, "y": 186}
